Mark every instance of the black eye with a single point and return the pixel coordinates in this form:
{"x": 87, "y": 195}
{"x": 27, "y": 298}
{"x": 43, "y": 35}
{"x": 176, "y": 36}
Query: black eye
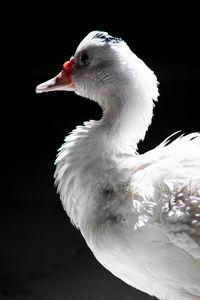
{"x": 84, "y": 58}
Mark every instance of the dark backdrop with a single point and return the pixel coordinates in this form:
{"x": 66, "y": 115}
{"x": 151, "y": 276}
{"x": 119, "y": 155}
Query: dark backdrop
{"x": 42, "y": 256}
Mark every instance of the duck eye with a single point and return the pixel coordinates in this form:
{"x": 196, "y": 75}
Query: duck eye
{"x": 84, "y": 58}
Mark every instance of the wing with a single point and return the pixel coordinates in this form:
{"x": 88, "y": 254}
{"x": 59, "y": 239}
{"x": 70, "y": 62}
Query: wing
{"x": 169, "y": 177}
{"x": 180, "y": 217}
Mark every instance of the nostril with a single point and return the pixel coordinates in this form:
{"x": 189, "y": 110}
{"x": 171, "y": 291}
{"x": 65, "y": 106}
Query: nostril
{"x": 59, "y": 76}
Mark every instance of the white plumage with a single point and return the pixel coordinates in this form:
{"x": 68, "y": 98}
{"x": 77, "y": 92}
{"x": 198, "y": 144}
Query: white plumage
{"x": 139, "y": 214}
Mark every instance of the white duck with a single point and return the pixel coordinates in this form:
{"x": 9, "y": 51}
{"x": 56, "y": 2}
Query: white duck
{"x": 139, "y": 214}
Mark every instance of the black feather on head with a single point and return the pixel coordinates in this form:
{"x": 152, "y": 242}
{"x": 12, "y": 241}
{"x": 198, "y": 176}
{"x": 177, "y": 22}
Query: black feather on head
{"x": 105, "y": 37}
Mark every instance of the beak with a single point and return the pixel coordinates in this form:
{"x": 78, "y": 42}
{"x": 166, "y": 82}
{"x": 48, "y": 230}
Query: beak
{"x": 61, "y": 82}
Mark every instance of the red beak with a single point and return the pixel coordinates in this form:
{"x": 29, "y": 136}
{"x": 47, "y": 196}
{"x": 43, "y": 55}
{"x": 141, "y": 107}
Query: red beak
{"x": 60, "y": 82}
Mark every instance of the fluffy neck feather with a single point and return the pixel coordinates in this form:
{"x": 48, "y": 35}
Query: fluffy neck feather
{"x": 128, "y": 113}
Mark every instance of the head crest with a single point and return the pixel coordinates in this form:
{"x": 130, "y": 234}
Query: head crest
{"x": 105, "y": 37}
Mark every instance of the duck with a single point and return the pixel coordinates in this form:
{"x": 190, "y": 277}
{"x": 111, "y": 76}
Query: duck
{"x": 138, "y": 213}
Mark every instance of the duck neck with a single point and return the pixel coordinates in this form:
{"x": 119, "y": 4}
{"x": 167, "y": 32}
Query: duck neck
{"x": 125, "y": 121}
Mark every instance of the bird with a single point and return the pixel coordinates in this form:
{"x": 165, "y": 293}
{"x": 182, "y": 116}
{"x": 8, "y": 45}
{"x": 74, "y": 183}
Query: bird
{"x": 138, "y": 213}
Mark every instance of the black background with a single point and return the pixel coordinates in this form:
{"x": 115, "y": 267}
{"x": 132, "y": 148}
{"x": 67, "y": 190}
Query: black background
{"x": 42, "y": 256}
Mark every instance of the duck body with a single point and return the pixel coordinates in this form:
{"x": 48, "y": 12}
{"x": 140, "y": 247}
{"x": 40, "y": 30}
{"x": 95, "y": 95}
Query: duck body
{"x": 137, "y": 221}
{"x": 139, "y": 214}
